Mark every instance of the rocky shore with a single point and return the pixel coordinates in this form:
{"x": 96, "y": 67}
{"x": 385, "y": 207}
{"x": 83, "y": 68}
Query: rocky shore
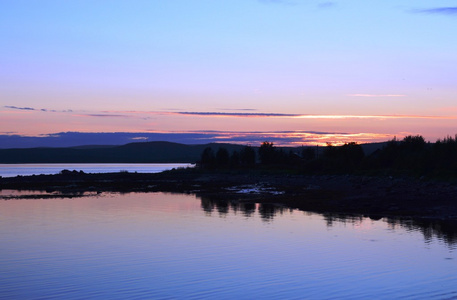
{"x": 376, "y": 197}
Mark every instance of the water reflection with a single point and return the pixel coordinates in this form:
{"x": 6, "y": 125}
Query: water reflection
{"x": 183, "y": 246}
{"x": 267, "y": 211}
{"x": 445, "y": 230}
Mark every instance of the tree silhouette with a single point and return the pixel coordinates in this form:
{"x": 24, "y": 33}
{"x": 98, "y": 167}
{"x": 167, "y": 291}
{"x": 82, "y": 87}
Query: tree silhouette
{"x": 234, "y": 160}
{"x": 308, "y": 153}
{"x": 268, "y": 153}
{"x": 247, "y": 156}
{"x": 410, "y": 156}
{"x": 345, "y": 158}
{"x": 222, "y": 157}
{"x": 207, "y": 159}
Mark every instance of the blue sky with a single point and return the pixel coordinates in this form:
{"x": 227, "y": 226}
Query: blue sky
{"x": 88, "y": 65}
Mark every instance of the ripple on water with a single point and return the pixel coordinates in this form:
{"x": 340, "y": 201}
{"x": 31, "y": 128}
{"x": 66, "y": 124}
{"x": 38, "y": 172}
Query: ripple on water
{"x": 166, "y": 246}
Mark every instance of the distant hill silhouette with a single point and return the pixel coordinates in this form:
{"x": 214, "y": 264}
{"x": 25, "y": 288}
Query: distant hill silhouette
{"x": 142, "y": 152}
{"x": 139, "y": 152}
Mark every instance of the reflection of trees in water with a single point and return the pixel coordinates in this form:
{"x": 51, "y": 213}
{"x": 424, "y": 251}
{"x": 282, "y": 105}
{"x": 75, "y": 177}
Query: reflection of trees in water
{"x": 221, "y": 206}
{"x": 445, "y": 230}
{"x": 207, "y": 205}
{"x": 248, "y": 209}
{"x": 234, "y": 207}
{"x": 442, "y": 230}
{"x": 331, "y": 218}
{"x": 267, "y": 211}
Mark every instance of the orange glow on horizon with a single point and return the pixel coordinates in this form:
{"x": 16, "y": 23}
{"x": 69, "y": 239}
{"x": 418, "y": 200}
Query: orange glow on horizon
{"x": 248, "y": 128}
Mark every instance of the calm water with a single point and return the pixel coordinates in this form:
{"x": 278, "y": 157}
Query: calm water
{"x": 174, "y": 246}
{"x": 11, "y": 170}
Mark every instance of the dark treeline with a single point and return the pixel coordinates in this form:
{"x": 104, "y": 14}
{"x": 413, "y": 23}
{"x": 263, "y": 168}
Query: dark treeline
{"x": 411, "y": 156}
{"x": 246, "y": 157}
{"x": 417, "y": 157}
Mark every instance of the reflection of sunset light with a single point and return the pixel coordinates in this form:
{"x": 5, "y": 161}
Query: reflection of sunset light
{"x": 364, "y": 224}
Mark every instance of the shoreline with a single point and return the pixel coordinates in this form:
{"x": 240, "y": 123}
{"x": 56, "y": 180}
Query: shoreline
{"x": 372, "y": 196}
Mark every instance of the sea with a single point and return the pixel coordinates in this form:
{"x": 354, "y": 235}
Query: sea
{"x": 12, "y": 170}
{"x": 188, "y": 246}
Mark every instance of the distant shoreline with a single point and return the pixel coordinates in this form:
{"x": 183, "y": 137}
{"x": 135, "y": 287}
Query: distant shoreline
{"x": 12, "y": 170}
{"x": 373, "y": 196}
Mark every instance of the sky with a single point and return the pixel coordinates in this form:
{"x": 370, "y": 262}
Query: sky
{"x": 320, "y": 71}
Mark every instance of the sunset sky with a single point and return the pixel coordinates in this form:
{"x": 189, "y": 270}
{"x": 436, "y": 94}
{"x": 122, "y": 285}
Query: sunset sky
{"x": 321, "y": 71}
